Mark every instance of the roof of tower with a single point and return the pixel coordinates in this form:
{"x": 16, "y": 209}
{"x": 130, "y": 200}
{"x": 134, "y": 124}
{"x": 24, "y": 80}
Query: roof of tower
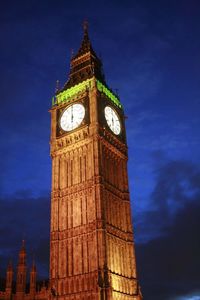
{"x": 86, "y": 45}
{"x": 33, "y": 268}
{"x": 22, "y": 250}
{"x": 84, "y": 64}
{"x": 10, "y": 266}
{"x": 22, "y": 254}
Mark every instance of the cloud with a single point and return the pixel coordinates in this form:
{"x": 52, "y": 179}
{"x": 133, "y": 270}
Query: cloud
{"x": 193, "y": 296}
{"x": 168, "y": 250}
{"x": 169, "y": 265}
{"x": 177, "y": 185}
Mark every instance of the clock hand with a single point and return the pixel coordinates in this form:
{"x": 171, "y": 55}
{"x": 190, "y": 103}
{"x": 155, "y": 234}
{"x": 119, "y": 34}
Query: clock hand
{"x": 72, "y": 115}
{"x": 112, "y": 119}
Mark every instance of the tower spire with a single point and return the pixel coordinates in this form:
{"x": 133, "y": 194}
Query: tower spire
{"x": 9, "y": 280}
{"x": 10, "y": 267}
{"x": 33, "y": 278}
{"x": 21, "y": 273}
{"x": 85, "y": 63}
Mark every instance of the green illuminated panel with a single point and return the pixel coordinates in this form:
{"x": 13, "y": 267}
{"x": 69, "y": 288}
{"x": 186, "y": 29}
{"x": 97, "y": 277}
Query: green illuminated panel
{"x": 108, "y": 93}
{"x": 66, "y": 95}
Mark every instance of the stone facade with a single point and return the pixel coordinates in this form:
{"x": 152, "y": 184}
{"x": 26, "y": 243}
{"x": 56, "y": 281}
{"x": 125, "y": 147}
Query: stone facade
{"x": 20, "y": 292}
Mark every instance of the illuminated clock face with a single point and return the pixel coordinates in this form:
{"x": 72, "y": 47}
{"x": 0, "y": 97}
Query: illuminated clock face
{"x": 112, "y": 120}
{"x": 72, "y": 117}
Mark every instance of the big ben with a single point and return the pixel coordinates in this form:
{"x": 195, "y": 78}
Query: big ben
{"x": 92, "y": 248}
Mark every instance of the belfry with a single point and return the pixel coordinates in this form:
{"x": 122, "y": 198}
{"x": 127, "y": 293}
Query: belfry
{"x": 91, "y": 248}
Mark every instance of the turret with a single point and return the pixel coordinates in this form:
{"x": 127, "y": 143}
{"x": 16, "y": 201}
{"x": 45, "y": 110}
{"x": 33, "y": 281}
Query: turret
{"x": 21, "y": 273}
{"x": 9, "y": 280}
{"x": 85, "y": 63}
{"x": 33, "y": 280}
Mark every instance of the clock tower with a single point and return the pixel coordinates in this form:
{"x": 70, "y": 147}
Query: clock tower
{"x": 91, "y": 249}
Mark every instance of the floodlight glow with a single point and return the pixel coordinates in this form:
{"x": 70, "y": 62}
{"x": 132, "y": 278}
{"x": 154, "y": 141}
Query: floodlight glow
{"x": 66, "y": 95}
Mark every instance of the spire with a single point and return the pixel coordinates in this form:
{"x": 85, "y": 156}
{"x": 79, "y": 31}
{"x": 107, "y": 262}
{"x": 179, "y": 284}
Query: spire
{"x": 33, "y": 278}
{"x": 22, "y": 254}
{"x": 21, "y": 271}
{"x": 9, "y": 279}
{"x": 85, "y": 44}
{"x": 23, "y": 245}
{"x": 10, "y": 266}
{"x": 33, "y": 268}
{"x": 85, "y": 63}
{"x": 22, "y": 250}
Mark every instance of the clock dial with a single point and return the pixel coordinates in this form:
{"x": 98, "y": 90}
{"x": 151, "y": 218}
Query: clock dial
{"x": 72, "y": 117}
{"x": 112, "y": 120}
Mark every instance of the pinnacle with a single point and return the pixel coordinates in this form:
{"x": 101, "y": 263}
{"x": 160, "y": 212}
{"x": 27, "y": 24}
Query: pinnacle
{"x": 10, "y": 267}
{"x": 33, "y": 266}
{"x": 86, "y": 44}
{"x": 23, "y": 245}
{"x": 84, "y": 64}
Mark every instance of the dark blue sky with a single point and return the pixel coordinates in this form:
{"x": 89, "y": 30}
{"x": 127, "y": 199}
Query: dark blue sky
{"x": 151, "y": 55}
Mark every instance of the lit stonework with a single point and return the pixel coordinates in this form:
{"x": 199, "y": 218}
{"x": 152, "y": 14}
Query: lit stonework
{"x": 20, "y": 291}
{"x": 92, "y": 250}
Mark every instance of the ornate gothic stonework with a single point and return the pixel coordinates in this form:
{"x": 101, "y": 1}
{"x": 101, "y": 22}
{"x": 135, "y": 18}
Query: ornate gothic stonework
{"x": 19, "y": 292}
{"x": 92, "y": 249}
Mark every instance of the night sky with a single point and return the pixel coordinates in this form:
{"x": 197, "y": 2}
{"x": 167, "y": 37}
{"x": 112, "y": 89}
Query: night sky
{"x": 151, "y": 56}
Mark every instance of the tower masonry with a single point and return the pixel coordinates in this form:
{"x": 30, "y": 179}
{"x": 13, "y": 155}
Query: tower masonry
{"x": 21, "y": 273}
{"x": 9, "y": 281}
{"x": 91, "y": 248}
{"x": 23, "y": 289}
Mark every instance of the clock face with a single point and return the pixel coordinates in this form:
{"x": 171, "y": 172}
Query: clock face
{"x": 112, "y": 120}
{"x": 72, "y": 117}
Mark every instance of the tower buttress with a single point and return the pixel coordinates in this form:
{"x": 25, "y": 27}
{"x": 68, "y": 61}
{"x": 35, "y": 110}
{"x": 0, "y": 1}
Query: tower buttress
{"x": 21, "y": 273}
